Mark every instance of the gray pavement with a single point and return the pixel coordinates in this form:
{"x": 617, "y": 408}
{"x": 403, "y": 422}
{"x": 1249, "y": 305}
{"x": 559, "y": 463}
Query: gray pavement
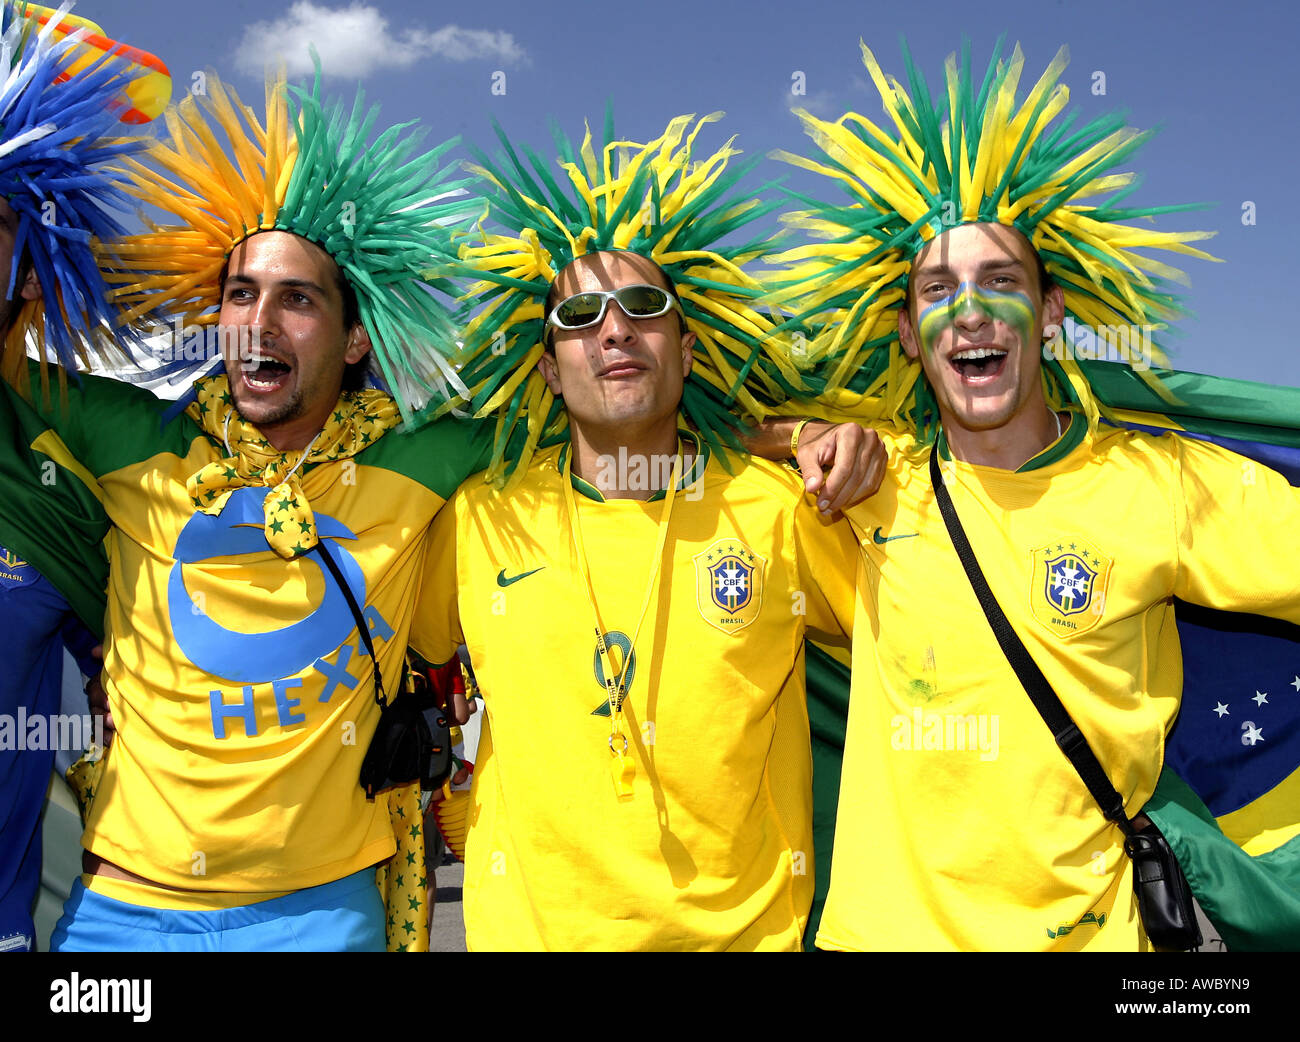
{"x": 447, "y": 932}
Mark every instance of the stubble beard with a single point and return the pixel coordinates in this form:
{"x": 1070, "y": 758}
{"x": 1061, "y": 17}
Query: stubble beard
{"x": 273, "y": 415}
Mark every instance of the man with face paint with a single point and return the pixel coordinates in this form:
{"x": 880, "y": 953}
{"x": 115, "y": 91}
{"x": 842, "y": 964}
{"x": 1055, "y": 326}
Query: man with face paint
{"x": 976, "y": 830}
{"x": 976, "y": 316}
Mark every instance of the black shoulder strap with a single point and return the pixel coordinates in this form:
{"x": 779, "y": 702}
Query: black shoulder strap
{"x": 1067, "y": 735}
{"x": 363, "y": 630}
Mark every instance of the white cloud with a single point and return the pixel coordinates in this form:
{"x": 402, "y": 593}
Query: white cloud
{"x": 457, "y": 44}
{"x": 355, "y": 40}
{"x": 820, "y": 103}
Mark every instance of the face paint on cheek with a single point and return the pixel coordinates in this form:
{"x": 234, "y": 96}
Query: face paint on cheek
{"x": 1012, "y": 309}
{"x": 1015, "y": 311}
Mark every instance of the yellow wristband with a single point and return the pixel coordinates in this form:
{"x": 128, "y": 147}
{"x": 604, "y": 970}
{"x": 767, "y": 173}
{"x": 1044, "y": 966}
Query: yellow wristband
{"x": 794, "y": 438}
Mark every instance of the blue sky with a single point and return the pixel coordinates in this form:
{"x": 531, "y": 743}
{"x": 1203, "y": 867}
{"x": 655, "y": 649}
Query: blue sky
{"x": 1219, "y": 80}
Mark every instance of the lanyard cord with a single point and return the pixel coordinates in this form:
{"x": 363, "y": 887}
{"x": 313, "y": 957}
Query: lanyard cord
{"x": 225, "y": 437}
{"x": 622, "y": 767}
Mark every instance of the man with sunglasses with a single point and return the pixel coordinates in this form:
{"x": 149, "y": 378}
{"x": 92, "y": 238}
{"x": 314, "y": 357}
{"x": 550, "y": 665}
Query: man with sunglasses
{"x": 636, "y": 616}
{"x": 631, "y": 402}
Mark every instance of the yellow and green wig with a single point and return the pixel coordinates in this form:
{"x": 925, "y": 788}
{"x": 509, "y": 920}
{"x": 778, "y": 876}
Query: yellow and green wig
{"x": 376, "y": 204}
{"x": 655, "y": 199}
{"x": 977, "y": 154}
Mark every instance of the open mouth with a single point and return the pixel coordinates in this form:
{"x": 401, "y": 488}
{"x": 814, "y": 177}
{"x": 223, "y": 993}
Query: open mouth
{"x": 979, "y": 364}
{"x": 265, "y": 374}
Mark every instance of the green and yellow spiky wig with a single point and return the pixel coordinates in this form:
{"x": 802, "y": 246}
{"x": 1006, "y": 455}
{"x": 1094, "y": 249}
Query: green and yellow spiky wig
{"x": 982, "y": 156}
{"x": 379, "y": 208}
{"x": 651, "y": 199}
{"x": 63, "y": 93}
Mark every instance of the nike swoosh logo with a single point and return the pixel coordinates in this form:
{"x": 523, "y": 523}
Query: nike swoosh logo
{"x": 881, "y": 540}
{"x": 502, "y": 581}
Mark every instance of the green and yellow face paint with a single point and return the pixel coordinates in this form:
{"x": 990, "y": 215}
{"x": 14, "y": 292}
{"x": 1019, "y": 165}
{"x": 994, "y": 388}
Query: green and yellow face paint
{"x": 1013, "y": 309}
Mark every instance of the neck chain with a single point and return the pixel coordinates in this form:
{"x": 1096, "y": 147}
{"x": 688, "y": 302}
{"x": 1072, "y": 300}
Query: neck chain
{"x": 225, "y": 437}
{"x": 622, "y": 765}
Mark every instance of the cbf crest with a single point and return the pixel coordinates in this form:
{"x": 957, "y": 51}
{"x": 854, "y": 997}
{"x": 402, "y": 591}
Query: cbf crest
{"x": 14, "y": 571}
{"x": 729, "y": 584}
{"x": 1068, "y": 590}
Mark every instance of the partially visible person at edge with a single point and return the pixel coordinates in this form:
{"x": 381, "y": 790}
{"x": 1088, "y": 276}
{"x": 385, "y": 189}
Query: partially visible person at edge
{"x": 47, "y": 267}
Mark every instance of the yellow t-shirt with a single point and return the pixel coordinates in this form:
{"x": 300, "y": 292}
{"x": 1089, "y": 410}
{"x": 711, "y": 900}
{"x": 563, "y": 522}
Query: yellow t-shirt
{"x": 241, "y": 692}
{"x": 961, "y": 825}
{"x": 713, "y": 847}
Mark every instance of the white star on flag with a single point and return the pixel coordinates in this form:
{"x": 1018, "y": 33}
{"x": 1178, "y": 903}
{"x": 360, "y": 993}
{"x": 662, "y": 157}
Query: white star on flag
{"x": 1221, "y": 709}
{"x": 1253, "y": 734}
{"x": 1296, "y": 683}
{"x": 1260, "y": 698}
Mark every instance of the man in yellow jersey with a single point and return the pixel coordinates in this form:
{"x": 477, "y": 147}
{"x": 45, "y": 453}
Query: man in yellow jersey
{"x": 673, "y": 812}
{"x": 961, "y": 824}
{"x": 635, "y": 609}
{"x": 228, "y": 814}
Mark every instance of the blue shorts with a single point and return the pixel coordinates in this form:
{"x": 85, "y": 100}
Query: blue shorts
{"x": 344, "y": 916}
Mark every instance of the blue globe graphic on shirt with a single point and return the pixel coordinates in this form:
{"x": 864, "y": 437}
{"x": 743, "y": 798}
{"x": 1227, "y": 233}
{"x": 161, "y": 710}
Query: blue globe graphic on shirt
{"x": 258, "y": 658}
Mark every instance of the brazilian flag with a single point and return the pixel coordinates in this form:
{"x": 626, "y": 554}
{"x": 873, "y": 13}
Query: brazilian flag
{"x": 1229, "y": 798}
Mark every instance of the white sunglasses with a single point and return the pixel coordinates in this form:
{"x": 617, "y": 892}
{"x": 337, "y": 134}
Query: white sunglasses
{"x": 583, "y": 310}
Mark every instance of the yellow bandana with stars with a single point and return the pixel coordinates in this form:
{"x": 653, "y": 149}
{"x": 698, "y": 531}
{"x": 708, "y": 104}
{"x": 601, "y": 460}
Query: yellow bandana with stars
{"x": 359, "y": 419}
{"x": 405, "y": 880}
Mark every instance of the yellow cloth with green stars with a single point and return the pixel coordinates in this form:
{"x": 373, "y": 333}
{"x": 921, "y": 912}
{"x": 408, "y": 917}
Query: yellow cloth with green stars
{"x": 961, "y": 825}
{"x": 713, "y": 847}
{"x": 251, "y": 460}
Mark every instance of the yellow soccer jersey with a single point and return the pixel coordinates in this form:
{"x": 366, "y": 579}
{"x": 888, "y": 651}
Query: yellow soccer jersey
{"x": 961, "y": 825}
{"x": 242, "y": 696}
{"x": 713, "y": 848}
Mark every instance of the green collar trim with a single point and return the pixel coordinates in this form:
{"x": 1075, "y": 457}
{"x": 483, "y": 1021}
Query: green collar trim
{"x": 1071, "y": 438}
{"x": 696, "y": 472}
